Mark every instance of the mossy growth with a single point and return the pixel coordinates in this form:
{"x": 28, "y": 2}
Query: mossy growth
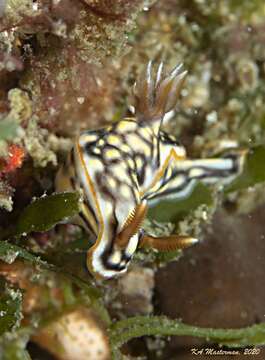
{"x": 63, "y": 71}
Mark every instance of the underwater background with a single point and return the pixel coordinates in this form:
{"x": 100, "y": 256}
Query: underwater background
{"x": 70, "y": 65}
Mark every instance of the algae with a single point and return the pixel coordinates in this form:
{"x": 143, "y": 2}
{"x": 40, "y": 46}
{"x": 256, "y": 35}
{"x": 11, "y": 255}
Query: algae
{"x": 64, "y": 71}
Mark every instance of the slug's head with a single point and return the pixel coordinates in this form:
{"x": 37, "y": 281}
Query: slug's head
{"x": 109, "y": 258}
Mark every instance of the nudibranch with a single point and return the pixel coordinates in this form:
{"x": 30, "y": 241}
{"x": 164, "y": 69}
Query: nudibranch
{"x": 124, "y": 168}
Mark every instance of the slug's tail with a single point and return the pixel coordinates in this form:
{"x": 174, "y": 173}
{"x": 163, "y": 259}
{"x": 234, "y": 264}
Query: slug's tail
{"x": 156, "y": 93}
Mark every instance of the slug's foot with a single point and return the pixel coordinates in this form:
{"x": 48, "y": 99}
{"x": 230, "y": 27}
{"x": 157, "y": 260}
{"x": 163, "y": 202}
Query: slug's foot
{"x": 167, "y": 243}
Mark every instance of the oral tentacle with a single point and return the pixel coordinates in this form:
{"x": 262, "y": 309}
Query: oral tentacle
{"x": 132, "y": 225}
{"x": 167, "y": 243}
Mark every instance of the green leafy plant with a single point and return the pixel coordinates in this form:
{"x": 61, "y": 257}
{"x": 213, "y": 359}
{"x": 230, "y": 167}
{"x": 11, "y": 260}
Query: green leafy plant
{"x": 130, "y": 328}
{"x": 42, "y": 214}
{"x": 11, "y": 307}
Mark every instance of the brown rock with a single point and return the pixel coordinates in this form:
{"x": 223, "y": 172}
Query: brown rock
{"x": 220, "y": 282}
